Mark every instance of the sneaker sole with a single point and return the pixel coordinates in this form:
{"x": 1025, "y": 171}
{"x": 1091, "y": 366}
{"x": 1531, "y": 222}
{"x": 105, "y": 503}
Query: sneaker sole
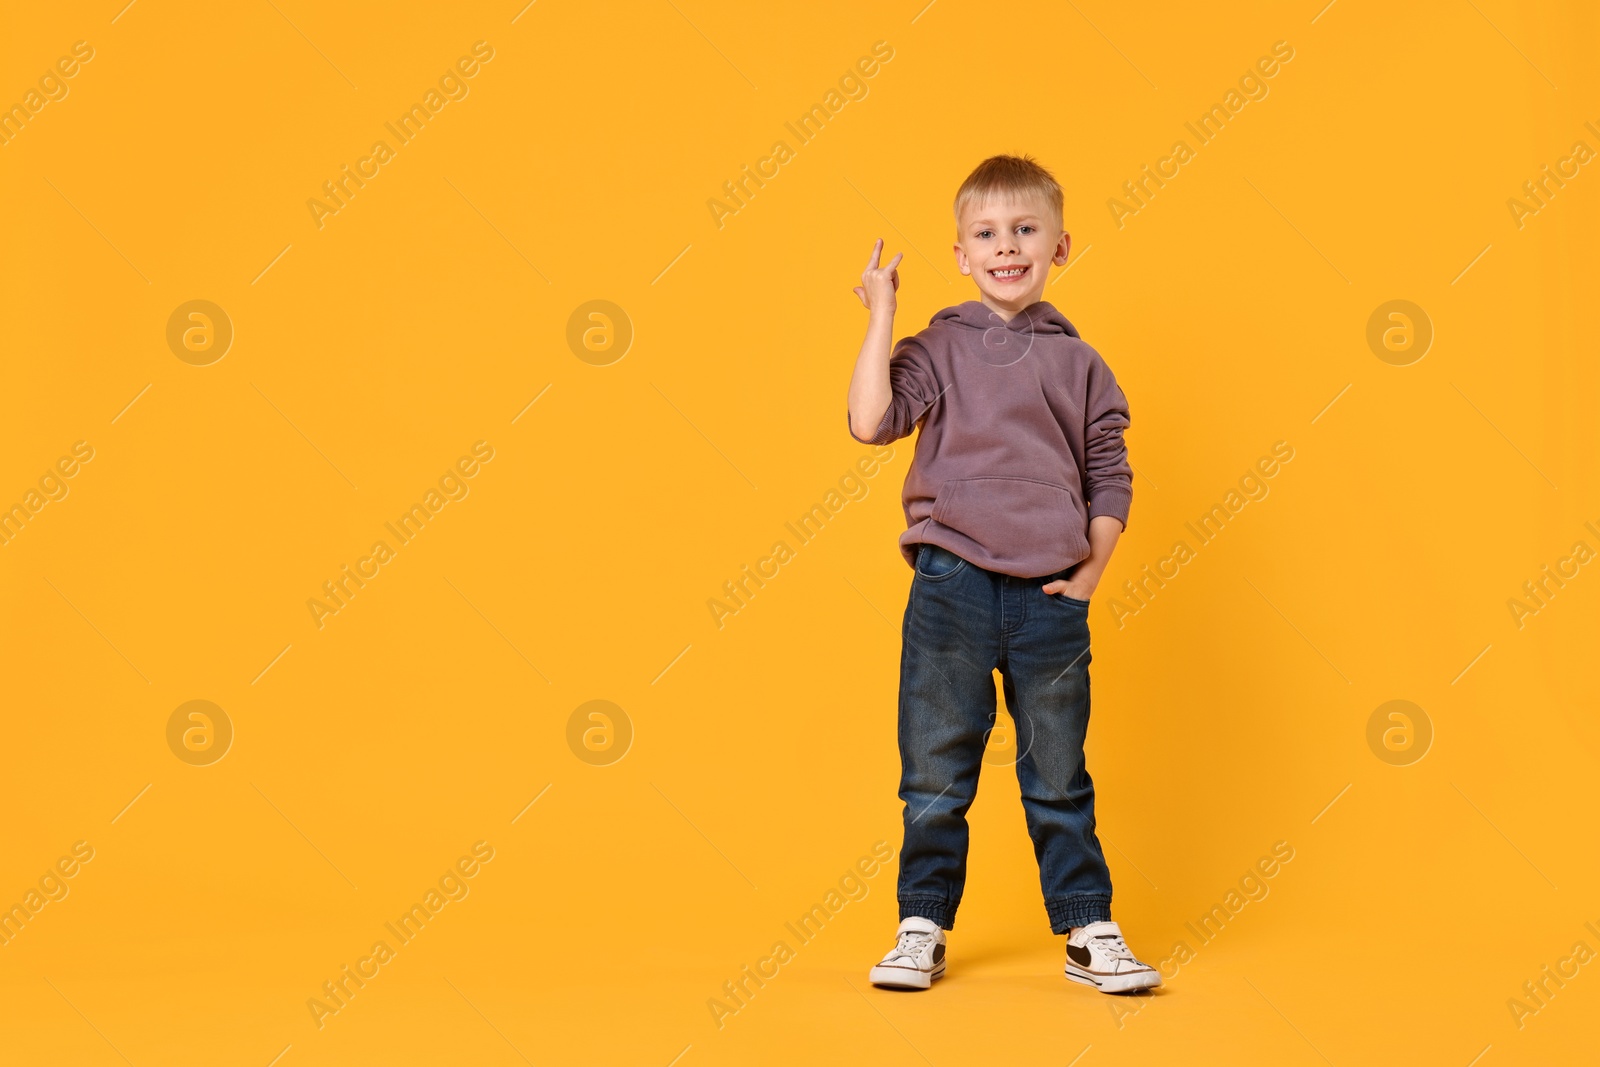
{"x": 905, "y": 977}
{"x": 1115, "y": 983}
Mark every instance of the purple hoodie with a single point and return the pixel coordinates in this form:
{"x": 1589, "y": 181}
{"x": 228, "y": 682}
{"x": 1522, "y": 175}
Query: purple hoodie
{"x": 1021, "y": 441}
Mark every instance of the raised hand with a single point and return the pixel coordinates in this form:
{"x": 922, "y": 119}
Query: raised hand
{"x": 878, "y": 284}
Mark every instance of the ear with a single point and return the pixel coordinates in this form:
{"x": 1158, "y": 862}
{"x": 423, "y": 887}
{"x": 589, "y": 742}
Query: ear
{"x": 961, "y": 260}
{"x": 1063, "y": 247}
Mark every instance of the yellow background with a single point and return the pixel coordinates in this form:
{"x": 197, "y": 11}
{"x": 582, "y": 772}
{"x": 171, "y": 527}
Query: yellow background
{"x": 425, "y": 716}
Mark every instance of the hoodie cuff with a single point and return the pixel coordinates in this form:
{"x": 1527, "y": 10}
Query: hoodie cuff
{"x": 1114, "y": 501}
{"x": 882, "y": 425}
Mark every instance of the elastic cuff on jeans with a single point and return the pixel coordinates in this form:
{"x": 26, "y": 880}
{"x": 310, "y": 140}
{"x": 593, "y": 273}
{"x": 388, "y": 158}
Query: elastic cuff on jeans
{"x": 1078, "y": 911}
{"x": 939, "y": 911}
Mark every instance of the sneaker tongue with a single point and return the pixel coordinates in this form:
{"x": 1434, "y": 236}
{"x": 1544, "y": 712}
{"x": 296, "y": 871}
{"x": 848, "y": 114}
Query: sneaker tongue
{"x": 1100, "y": 929}
{"x": 918, "y": 924}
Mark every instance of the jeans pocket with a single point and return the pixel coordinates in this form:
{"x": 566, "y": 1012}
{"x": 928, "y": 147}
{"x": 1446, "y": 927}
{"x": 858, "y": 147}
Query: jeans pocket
{"x": 935, "y": 564}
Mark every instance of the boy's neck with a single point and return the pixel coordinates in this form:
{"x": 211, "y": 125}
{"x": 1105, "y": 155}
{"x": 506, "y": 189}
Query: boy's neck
{"x": 1008, "y": 312}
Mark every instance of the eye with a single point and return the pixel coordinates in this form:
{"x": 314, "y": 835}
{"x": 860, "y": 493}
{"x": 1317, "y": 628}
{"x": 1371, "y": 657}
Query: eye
{"x": 1024, "y": 229}
{"x": 985, "y": 233}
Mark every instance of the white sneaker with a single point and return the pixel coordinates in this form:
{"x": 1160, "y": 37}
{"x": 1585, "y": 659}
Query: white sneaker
{"x": 1097, "y": 956}
{"x": 916, "y": 959}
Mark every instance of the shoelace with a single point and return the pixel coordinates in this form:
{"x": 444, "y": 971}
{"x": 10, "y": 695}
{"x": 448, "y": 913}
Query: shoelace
{"x": 911, "y": 943}
{"x": 1116, "y": 948}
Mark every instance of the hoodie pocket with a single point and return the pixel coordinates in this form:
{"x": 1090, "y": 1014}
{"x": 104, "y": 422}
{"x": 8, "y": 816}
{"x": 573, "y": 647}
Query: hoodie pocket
{"x": 1007, "y": 516}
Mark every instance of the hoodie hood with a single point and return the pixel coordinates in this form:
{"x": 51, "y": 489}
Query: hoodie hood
{"x": 1037, "y": 318}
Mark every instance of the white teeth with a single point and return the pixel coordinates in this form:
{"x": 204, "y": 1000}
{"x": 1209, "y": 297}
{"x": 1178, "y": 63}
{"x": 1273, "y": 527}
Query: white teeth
{"x": 1010, "y": 272}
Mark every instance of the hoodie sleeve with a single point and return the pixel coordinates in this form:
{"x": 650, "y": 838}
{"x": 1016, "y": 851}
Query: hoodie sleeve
{"x": 913, "y": 388}
{"x": 1109, "y": 480}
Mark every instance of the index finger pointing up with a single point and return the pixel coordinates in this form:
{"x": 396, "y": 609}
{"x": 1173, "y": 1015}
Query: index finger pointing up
{"x": 872, "y": 260}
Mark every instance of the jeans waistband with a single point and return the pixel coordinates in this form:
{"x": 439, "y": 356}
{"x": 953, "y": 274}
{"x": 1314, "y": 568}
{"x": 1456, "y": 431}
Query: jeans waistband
{"x": 923, "y": 546}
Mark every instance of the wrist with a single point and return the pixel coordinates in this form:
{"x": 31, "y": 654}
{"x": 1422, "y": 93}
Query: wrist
{"x": 1085, "y": 572}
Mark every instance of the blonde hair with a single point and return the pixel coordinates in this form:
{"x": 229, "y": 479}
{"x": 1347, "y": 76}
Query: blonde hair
{"x": 1013, "y": 177}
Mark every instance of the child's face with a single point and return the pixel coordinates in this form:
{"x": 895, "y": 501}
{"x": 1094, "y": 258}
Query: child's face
{"x": 1007, "y": 246}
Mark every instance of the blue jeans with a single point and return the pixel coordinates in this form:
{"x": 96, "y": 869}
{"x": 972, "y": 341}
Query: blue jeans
{"x": 962, "y": 623}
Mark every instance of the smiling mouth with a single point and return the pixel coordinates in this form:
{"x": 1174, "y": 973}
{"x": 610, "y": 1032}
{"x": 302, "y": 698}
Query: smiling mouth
{"x": 1008, "y": 274}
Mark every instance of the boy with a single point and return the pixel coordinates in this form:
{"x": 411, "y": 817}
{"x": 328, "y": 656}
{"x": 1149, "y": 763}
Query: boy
{"x": 1016, "y": 495}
